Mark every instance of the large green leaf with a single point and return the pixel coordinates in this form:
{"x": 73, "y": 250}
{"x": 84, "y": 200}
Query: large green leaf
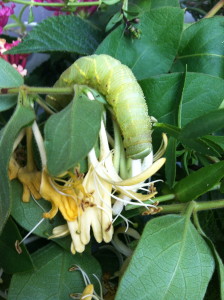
{"x": 155, "y": 51}
{"x": 72, "y": 133}
{"x": 201, "y": 93}
{"x": 61, "y": 33}
{"x": 203, "y": 125}
{"x": 159, "y": 3}
{"x": 22, "y": 117}
{"x": 171, "y": 262}
{"x": 52, "y": 278}
{"x": 9, "y": 76}
{"x": 162, "y": 95}
{"x": 201, "y": 48}
{"x": 28, "y": 215}
{"x": 199, "y": 182}
{"x": 10, "y": 260}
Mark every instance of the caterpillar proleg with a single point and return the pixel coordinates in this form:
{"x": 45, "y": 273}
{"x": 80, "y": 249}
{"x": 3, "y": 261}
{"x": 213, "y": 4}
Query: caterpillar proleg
{"x": 121, "y": 90}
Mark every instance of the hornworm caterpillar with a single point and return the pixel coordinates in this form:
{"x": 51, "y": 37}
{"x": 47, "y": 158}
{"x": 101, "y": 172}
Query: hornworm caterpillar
{"x": 121, "y": 90}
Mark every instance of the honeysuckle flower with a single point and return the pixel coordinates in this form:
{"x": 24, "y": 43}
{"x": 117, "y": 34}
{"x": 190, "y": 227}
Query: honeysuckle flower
{"x": 86, "y": 201}
{"x": 18, "y": 61}
{"x": 100, "y": 183}
{"x": 5, "y": 13}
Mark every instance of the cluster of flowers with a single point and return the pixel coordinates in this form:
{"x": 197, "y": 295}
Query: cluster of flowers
{"x": 91, "y": 201}
{"x": 18, "y": 61}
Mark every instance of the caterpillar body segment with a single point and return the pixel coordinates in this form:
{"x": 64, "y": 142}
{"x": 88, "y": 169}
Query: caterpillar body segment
{"x": 121, "y": 90}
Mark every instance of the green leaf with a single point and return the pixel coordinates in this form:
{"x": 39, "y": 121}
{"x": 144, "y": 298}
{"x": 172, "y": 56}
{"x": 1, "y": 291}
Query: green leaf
{"x": 113, "y": 21}
{"x": 31, "y": 16}
{"x": 72, "y": 133}
{"x": 9, "y": 76}
{"x": 28, "y": 215}
{"x": 7, "y": 101}
{"x": 199, "y": 182}
{"x": 218, "y": 140}
{"x": 201, "y": 93}
{"x": 52, "y": 278}
{"x": 170, "y": 166}
{"x": 171, "y": 261}
{"x": 159, "y": 3}
{"x": 10, "y": 260}
{"x": 203, "y": 125}
{"x": 162, "y": 95}
{"x": 218, "y": 261}
{"x": 201, "y": 48}
{"x": 155, "y": 51}
{"x": 22, "y": 117}
{"x": 60, "y": 33}
{"x": 201, "y": 146}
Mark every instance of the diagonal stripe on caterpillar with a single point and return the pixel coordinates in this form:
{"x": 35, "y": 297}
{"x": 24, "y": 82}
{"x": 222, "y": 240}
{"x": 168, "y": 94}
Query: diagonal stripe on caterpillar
{"x": 121, "y": 90}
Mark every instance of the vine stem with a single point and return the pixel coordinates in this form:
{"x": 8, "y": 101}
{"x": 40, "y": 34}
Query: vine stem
{"x": 73, "y": 4}
{"x": 198, "y": 206}
{"x": 37, "y": 90}
{"x": 215, "y": 9}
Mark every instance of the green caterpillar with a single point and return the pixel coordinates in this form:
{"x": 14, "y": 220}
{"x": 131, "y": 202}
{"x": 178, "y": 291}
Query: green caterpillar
{"x": 118, "y": 85}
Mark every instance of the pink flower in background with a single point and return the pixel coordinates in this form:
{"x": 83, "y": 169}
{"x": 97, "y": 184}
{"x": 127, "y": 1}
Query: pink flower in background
{"x": 5, "y": 13}
{"x": 51, "y": 1}
{"x": 18, "y": 61}
{"x": 88, "y": 9}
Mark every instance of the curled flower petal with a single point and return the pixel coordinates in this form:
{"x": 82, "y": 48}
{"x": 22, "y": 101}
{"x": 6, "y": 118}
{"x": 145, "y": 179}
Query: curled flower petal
{"x": 76, "y": 245}
{"x": 88, "y": 292}
{"x": 31, "y": 183}
{"x": 66, "y": 201}
{"x": 142, "y": 176}
{"x": 59, "y": 231}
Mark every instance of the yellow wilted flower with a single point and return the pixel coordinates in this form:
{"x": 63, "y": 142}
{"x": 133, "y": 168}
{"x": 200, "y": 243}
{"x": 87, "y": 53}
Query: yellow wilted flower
{"x": 66, "y": 198}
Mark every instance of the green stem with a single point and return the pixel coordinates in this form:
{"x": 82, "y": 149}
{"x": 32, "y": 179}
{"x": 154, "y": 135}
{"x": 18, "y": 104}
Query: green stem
{"x": 22, "y": 11}
{"x": 198, "y": 206}
{"x": 215, "y": 9}
{"x": 197, "y": 223}
{"x": 18, "y": 23}
{"x": 44, "y": 106}
{"x": 75, "y": 4}
{"x": 198, "y": 10}
{"x": 38, "y": 90}
{"x": 9, "y": 26}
